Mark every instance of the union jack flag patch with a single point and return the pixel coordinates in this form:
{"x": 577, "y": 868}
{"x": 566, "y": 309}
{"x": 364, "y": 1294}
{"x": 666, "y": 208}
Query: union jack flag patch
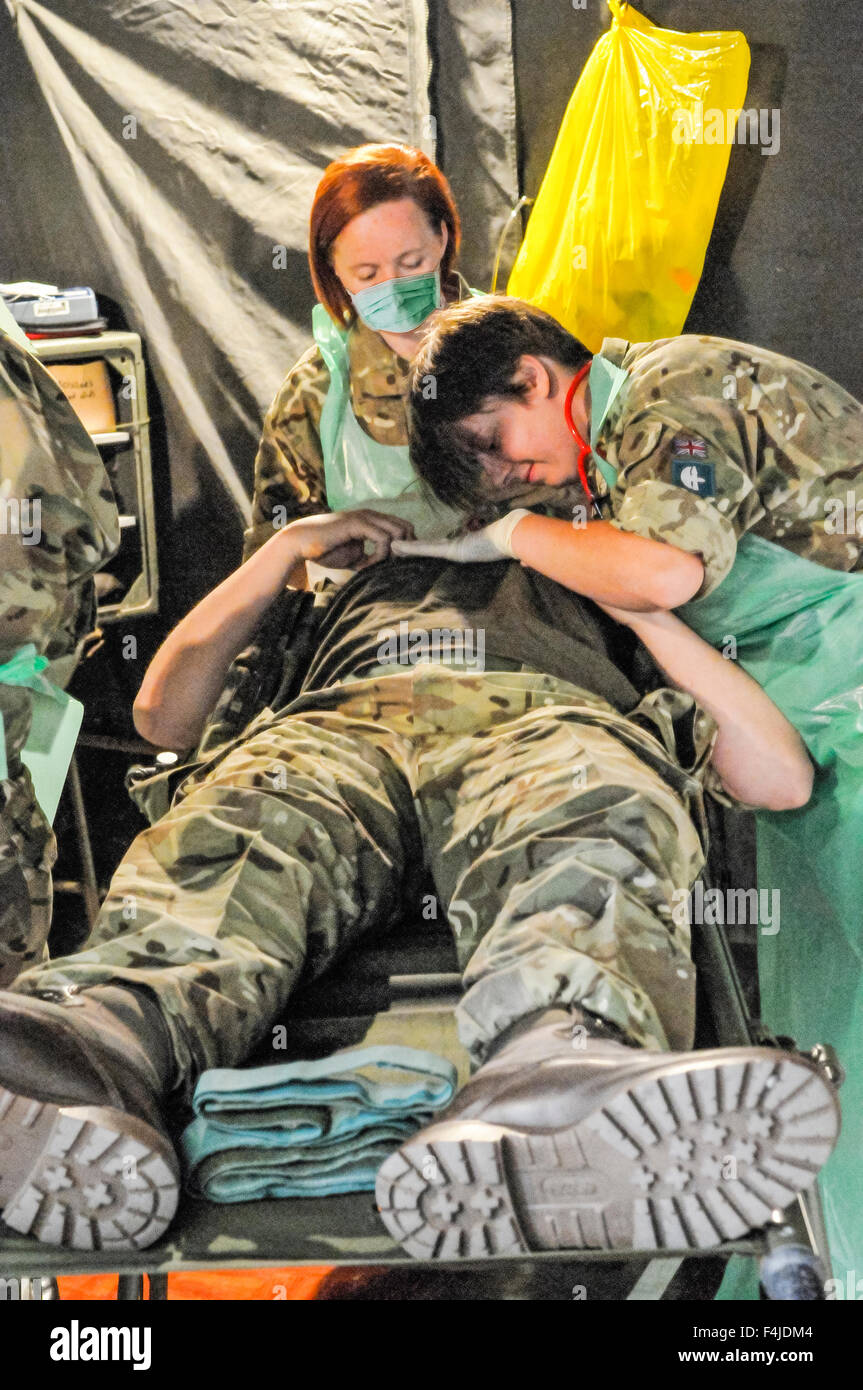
{"x": 690, "y": 446}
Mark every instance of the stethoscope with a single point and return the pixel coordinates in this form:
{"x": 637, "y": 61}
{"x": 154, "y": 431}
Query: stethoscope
{"x": 584, "y": 449}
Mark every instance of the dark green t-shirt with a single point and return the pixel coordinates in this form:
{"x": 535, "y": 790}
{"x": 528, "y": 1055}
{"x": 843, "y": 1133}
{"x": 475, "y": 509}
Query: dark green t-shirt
{"x": 490, "y": 617}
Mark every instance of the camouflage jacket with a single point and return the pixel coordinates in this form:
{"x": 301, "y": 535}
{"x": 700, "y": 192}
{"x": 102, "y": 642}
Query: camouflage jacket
{"x": 289, "y": 467}
{"x": 59, "y": 522}
{"x": 58, "y": 525}
{"x": 714, "y": 438}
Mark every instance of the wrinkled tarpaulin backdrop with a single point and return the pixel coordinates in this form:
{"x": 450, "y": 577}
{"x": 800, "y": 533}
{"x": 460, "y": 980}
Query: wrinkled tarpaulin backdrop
{"x": 194, "y": 134}
{"x": 238, "y": 106}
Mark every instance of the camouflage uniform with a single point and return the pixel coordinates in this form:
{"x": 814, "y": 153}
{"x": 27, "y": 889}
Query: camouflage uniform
{"x": 47, "y": 598}
{"x": 775, "y": 446}
{"x": 556, "y": 831}
{"x": 289, "y": 467}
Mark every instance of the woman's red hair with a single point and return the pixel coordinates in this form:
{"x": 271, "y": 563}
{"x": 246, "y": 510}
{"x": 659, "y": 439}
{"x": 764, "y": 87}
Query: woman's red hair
{"x": 362, "y": 178}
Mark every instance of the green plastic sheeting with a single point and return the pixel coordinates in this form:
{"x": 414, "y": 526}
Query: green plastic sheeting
{"x": 798, "y": 630}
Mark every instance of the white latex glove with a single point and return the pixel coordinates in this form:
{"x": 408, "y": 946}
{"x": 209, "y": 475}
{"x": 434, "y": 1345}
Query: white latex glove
{"x": 493, "y": 542}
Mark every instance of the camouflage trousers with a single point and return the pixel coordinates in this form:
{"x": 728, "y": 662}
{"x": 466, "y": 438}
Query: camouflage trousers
{"x": 555, "y": 848}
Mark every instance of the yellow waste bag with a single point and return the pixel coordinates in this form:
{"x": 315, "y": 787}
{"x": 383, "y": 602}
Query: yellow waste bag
{"x": 616, "y": 241}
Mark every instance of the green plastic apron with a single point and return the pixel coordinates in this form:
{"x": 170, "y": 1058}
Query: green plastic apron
{"x": 359, "y": 472}
{"x": 799, "y": 632}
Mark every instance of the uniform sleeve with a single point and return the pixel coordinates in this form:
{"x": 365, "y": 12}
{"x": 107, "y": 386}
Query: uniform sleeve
{"x": 683, "y": 484}
{"x": 289, "y": 466}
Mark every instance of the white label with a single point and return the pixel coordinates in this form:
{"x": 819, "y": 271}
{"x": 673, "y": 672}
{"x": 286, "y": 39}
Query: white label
{"x": 50, "y": 308}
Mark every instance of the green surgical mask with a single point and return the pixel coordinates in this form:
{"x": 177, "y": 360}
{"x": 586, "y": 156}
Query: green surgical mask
{"x": 401, "y": 305}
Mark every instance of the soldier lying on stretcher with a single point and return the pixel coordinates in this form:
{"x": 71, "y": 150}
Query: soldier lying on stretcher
{"x": 558, "y": 793}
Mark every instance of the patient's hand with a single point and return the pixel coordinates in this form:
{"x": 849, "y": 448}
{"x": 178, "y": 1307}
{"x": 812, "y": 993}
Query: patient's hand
{"x": 338, "y": 539}
{"x": 350, "y": 556}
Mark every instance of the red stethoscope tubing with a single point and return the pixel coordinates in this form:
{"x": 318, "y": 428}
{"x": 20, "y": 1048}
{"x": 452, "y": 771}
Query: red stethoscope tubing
{"x": 584, "y": 449}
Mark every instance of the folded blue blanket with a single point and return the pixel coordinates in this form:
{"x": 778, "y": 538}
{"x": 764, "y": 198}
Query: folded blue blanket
{"x": 308, "y": 1129}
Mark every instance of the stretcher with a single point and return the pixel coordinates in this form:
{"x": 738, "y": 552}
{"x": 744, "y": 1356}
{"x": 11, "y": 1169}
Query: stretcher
{"x": 402, "y": 988}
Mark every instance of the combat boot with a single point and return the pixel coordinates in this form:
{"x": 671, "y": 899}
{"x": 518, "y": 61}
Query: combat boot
{"x": 85, "y": 1161}
{"x": 569, "y": 1138}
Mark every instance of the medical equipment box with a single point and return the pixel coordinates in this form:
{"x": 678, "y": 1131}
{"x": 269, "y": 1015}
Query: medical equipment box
{"x": 65, "y": 309}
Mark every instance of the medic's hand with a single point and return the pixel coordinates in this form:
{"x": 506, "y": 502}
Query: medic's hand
{"x": 493, "y": 542}
{"x": 338, "y": 539}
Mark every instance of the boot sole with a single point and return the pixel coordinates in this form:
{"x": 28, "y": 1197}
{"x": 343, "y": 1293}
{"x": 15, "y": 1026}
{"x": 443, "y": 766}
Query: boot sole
{"x": 84, "y": 1177}
{"x": 684, "y": 1159}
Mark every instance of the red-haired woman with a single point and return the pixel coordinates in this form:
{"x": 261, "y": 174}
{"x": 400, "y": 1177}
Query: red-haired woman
{"x": 383, "y": 242}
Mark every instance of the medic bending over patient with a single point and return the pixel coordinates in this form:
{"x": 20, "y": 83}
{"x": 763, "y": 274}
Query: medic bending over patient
{"x": 383, "y": 244}
{"x": 681, "y": 446}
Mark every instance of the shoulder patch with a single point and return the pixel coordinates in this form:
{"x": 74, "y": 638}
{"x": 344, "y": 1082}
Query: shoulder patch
{"x": 696, "y": 476}
{"x": 690, "y": 446}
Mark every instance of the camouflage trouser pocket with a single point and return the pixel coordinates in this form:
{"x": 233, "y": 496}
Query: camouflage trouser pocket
{"x": 152, "y": 788}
